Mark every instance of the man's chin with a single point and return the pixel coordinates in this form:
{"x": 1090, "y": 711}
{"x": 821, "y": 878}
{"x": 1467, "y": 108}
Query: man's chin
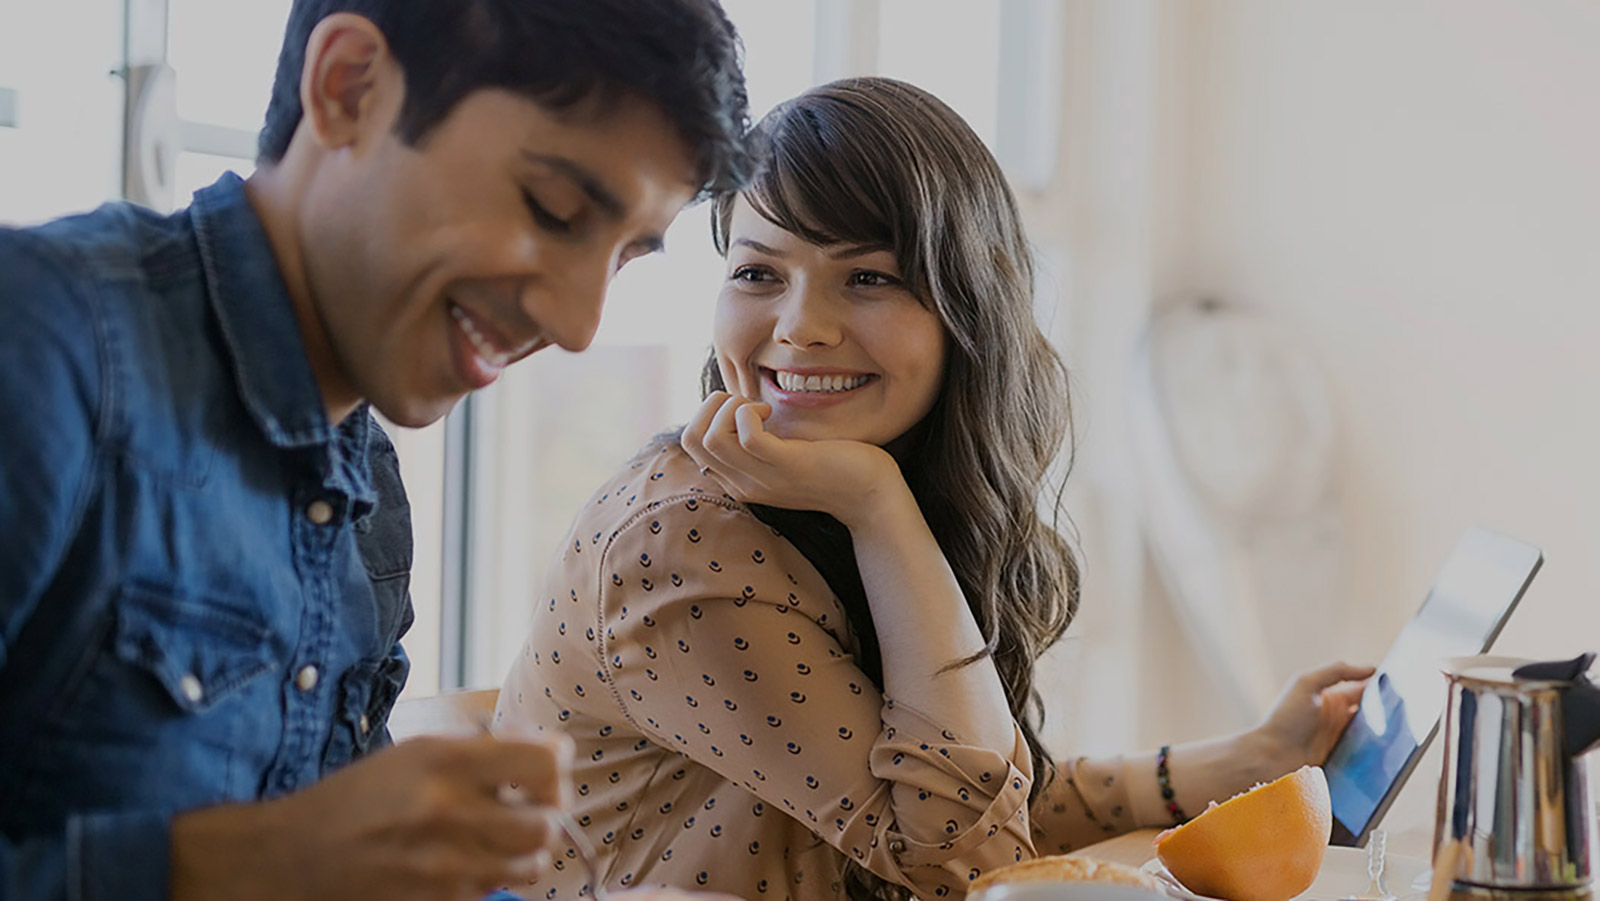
{"x": 413, "y": 414}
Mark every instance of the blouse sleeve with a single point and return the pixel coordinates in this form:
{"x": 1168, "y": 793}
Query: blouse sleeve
{"x": 1091, "y": 800}
{"x": 717, "y": 644}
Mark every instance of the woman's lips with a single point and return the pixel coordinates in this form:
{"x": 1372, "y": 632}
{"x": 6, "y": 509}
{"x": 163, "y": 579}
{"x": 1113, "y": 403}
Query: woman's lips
{"x": 814, "y": 389}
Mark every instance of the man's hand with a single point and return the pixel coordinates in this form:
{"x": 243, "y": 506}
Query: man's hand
{"x": 426, "y": 819}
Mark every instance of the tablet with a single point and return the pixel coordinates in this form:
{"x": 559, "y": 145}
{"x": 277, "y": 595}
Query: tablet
{"x": 1470, "y": 600}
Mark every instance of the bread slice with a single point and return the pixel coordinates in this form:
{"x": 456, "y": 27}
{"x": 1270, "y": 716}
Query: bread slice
{"x": 1061, "y": 868}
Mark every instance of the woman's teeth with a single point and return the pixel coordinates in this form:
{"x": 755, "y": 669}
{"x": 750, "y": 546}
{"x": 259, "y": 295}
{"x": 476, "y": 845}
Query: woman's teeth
{"x": 485, "y": 348}
{"x": 790, "y": 381}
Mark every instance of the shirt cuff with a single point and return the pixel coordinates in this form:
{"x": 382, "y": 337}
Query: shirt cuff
{"x": 994, "y": 787}
{"x": 121, "y": 856}
{"x": 1144, "y": 792}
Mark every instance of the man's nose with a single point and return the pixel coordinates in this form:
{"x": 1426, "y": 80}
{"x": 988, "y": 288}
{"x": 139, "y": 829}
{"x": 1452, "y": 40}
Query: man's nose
{"x": 570, "y": 314}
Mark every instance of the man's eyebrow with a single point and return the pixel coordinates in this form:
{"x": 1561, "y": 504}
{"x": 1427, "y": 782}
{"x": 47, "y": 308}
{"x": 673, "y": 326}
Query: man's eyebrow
{"x": 590, "y": 183}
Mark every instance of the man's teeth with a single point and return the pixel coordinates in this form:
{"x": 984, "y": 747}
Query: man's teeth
{"x": 486, "y": 349}
{"x": 790, "y": 381}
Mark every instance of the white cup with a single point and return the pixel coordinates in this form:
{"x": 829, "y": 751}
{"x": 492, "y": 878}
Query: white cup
{"x": 1066, "y": 891}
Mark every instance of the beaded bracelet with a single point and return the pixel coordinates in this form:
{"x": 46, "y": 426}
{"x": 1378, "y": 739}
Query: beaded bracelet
{"x": 1164, "y": 779}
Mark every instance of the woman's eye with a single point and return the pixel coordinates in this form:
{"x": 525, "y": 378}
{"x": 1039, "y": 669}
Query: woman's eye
{"x": 751, "y": 274}
{"x": 544, "y": 218}
{"x": 868, "y": 278}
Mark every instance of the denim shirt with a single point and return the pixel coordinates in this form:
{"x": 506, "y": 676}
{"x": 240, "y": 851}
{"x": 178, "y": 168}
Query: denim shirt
{"x": 202, "y": 581}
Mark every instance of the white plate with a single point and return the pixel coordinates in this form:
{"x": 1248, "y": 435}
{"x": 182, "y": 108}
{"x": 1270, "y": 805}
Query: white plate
{"x": 1343, "y": 875}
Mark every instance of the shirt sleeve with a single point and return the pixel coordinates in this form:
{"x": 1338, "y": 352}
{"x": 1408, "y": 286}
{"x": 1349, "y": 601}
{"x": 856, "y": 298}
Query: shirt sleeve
{"x": 100, "y": 856}
{"x": 1093, "y": 799}
{"x": 716, "y": 646}
{"x": 50, "y": 415}
{"x": 49, "y": 408}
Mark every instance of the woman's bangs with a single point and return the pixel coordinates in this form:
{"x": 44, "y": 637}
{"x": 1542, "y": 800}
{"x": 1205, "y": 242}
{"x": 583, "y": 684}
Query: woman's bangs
{"x": 823, "y": 191}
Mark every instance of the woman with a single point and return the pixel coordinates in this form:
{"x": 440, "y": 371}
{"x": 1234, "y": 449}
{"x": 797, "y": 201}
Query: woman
{"x": 795, "y": 643}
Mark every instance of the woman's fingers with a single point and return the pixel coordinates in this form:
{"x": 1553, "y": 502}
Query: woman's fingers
{"x": 1345, "y": 697}
{"x": 700, "y": 424}
{"x": 724, "y": 427}
{"x": 750, "y": 422}
{"x": 1328, "y": 676}
{"x": 729, "y": 438}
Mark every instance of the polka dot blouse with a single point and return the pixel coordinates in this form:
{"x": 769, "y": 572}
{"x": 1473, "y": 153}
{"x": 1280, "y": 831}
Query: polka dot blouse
{"x": 726, "y": 739}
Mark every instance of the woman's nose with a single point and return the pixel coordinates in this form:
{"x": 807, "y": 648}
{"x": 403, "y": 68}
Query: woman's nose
{"x": 808, "y": 318}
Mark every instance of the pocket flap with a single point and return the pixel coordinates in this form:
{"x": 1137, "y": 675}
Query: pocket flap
{"x": 199, "y": 651}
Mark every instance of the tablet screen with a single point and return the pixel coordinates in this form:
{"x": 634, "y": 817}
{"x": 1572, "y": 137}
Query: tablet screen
{"x": 1470, "y": 599}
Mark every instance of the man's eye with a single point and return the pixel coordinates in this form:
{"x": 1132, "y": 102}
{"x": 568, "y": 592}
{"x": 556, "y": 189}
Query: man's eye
{"x": 544, "y": 218}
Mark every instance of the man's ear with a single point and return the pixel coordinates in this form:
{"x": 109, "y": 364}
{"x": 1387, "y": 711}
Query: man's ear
{"x": 351, "y": 87}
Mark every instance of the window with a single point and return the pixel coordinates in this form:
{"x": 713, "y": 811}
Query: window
{"x": 493, "y": 489}
{"x": 222, "y": 85}
{"x": 60, "y": 108}
{"x": 555, "y": 427}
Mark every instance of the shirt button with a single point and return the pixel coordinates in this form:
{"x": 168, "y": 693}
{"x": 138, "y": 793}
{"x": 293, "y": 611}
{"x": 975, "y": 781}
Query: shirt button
{"x": 319, "y": 512}
{"x": 306, "y": 679}
{"x": 365, "y": 724}
{"x": 191, "y": 688}
{"x": 897, "y": 846}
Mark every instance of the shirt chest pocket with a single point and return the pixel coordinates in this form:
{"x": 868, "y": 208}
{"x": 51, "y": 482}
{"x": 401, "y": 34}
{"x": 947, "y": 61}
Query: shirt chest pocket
{"x": 366, "y": 695}
{"x": 200, "y": 653}
{"x": 167, "y": 658}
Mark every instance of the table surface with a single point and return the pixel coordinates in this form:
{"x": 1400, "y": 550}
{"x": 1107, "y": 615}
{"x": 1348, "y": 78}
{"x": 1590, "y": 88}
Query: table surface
{"x": 1134, "y": 848}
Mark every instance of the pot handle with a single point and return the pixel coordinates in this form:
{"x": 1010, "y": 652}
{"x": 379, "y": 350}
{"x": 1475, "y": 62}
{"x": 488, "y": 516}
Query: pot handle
{"x": 1556, "y": 670}
{"x": 1580, "y": 700}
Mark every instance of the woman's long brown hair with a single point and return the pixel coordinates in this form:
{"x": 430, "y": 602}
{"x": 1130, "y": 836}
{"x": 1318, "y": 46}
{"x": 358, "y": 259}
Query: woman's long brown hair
{"x": 878, "y": 161}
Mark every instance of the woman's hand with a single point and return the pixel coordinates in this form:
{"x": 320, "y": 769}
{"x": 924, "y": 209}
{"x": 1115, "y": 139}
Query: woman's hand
{"x": 728, "y": 438}
{"x": 1309, "y": 716}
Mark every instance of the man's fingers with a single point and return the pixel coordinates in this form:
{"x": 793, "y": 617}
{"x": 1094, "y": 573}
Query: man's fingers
{"x": 514, "y": 830}
{"x": 536, "y": 768}
{"x": 481, "y": 872}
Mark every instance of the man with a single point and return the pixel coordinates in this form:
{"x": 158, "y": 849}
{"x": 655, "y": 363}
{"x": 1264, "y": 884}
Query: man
{"x": 206, "y": 547}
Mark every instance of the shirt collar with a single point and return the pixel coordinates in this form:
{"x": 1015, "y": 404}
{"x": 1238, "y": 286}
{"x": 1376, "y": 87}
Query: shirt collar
{"x": 259, "y": 328}
{"x": 252, "y": 304}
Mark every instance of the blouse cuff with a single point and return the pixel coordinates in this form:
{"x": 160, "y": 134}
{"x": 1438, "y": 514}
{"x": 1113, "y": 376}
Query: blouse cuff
{"x": 1144, "y": 792}
{"x": 914, "y": 751}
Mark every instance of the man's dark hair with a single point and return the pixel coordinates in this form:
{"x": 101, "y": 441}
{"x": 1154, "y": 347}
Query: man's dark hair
{"x": 681, "y": 55}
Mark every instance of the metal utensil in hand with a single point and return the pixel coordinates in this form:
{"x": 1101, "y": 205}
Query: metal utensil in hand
{"x": 1375, "y": 853}
{"x": 511, "y": 794}
{"x": 580, "y": 843}
{"x": 575, "y": 837}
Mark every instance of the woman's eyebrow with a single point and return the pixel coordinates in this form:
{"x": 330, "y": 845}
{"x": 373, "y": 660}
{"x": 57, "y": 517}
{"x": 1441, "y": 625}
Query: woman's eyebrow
{"x": 758, "y": 247}
{"x": 859, "y": 250}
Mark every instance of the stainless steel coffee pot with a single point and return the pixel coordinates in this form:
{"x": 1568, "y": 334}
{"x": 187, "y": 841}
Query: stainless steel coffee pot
{"x": 1514, "y": 793}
